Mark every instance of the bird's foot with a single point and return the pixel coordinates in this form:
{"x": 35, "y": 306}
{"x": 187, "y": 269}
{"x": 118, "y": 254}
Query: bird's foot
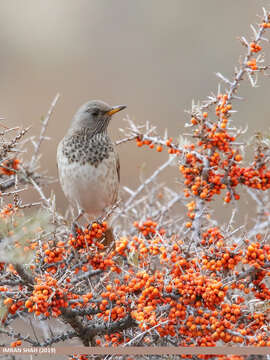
{"x": 100, "y": 220}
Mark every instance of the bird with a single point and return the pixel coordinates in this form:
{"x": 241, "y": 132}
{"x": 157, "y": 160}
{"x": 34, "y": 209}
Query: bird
{"x": 88, "y": 163}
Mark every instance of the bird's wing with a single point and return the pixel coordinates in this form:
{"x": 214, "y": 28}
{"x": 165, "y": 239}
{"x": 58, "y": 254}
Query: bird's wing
{"x": 58, "y": 154}
{"x": 118, "y": 166}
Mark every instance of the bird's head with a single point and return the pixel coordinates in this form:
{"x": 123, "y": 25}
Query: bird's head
{"x": 95, "y": 115}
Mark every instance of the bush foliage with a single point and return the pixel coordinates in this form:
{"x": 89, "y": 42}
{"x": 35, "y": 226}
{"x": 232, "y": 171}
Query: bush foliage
{"x": 172, "y": 277}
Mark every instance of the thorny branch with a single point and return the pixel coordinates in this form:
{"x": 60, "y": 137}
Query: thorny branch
{"x": 165, "y": 281}
{"x": 44, "y": 126}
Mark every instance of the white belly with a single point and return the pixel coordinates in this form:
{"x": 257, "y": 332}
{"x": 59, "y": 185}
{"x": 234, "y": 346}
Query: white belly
{"x": 91, "y": 188}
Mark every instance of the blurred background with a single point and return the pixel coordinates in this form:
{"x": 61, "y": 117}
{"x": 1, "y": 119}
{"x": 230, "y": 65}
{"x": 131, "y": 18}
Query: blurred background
{"x": 154, "y": 56}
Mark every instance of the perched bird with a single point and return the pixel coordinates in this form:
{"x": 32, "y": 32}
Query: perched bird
{"x": 88, "y": 164}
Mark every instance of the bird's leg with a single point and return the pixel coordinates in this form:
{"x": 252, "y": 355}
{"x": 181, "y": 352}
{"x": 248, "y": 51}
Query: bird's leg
{"x": 100, "y": 220}
{"x": 75, "y": 225}
{"x": 109, "y": 239}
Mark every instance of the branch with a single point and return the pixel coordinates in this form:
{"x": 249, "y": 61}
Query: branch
{"x": 43, "y": 130}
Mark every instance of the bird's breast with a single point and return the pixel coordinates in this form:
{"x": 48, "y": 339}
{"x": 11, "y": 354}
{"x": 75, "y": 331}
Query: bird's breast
{"x": 86, "y": 149}
{"x": 88, "y": 174}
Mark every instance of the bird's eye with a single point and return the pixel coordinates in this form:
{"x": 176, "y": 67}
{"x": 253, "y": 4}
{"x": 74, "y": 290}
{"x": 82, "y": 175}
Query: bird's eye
{"x": 95, "y": 112}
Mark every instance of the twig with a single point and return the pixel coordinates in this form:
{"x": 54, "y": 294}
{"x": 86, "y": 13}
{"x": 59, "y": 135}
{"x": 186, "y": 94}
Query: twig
{"x": 43, "y": 130}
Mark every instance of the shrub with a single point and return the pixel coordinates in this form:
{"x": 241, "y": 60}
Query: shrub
{"x": 172, "y": 277}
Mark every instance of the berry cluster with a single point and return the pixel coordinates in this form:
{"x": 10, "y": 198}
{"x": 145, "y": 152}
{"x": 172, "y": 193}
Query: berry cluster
{"x": 88, "y": 237}
{"x": 47, "y": 298}
{"x": 254, "y": 47}
{"x": 256, "y": 254}
{"x": 7, "y": 167}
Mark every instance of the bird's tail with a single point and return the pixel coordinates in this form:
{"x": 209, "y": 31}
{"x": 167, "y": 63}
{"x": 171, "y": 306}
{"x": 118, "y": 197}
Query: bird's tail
{"x": 109, "y": 240}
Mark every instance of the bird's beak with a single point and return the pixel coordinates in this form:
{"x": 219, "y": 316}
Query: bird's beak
{"x": 115, "y": 109}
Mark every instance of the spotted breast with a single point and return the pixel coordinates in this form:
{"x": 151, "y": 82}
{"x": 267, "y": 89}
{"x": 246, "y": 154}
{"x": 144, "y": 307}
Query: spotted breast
{"x": 89, "y": 171}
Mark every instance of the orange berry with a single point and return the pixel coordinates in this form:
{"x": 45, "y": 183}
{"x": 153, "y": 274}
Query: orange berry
{"x": 238, "y": 157}
{"x": 194, "y": 121}
{"x": 28, "y": 303}
{"x": 8, "y": 301}
{"x": 147, "y": 142}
